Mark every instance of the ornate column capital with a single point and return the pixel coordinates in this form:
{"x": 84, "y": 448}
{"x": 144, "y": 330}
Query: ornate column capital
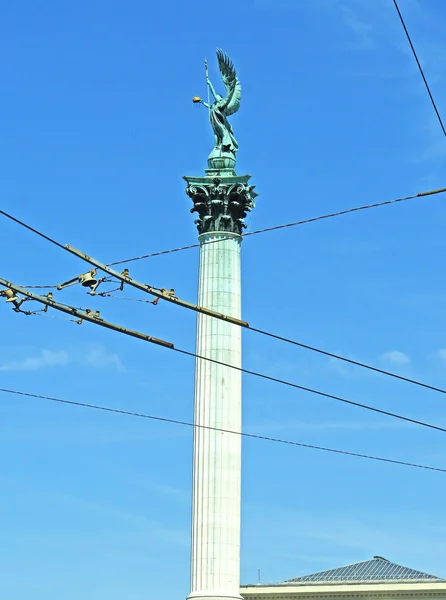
{"x": 222, "y": 203}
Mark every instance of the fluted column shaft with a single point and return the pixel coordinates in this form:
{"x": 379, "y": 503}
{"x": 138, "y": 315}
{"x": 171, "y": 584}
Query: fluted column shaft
{"x": 215, "y": 561}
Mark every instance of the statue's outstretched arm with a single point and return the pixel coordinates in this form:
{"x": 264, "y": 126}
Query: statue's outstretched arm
{"x": 211, "y": 87}
{"x": 205, "y": 104}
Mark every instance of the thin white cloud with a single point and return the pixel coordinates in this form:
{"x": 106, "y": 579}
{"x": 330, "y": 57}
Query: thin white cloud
{"x": 46, "y": 359}
{"x": 98, "y": 357}
{"x": 396, "y": 357}
{"x": 340, "y": 367}
{"x": 361, "y": 29}
{"x": 442, "y": 354}
{"x": 95, "y": 356}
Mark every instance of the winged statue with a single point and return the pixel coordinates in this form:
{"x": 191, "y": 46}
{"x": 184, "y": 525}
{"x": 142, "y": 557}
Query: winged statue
{"x": 223, "y": 107}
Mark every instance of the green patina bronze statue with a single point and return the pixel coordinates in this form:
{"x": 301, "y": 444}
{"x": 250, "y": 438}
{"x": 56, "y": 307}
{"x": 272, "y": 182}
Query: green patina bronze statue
{"x": 223, "y": 156}
{"x": 222, "y": 198}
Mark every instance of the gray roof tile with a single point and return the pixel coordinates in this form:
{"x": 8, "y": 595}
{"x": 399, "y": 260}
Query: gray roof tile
{"x": 375, "y": 570}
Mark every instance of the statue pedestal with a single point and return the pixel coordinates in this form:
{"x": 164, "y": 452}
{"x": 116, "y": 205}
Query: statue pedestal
{"x": 219, "y": 160}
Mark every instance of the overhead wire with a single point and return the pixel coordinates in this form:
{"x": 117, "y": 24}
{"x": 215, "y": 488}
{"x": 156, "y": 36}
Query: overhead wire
{"x": 36, "y": 231}
{"x": 311, "y": 390}
{"x": 72, "y": 311}
{"x": 247, "y": 234}
{"x": 264, "y": 230}
{"x": 310, "y": 348}
{"x": 420, "y": 68}
{"x": 114, "y": 297}
{"x": 46, "y": 316}
{"x": 349, "y": 360}
{"x": 39, "y": 287}
{"x": 284, "y": 226}
{"x": 276, "y": 336}
{"x": 221, "y": 430}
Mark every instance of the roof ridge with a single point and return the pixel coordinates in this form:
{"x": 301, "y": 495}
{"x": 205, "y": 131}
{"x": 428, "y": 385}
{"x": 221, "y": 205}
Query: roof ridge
{"x": 340, "y": 567}
{"x": 377, "y": 568}
{"x": 359, "y": 562}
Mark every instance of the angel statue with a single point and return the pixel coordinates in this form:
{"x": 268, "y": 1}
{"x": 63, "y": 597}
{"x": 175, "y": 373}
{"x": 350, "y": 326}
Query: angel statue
{"x": 224, "y": 153}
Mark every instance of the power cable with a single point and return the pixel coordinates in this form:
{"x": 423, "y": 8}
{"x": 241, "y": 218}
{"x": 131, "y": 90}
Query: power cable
{"x": 249, "y": 233}
{"x": 208, "y": 427}
{"x": 95, "y": 319}
{"x": 36, "y": 231}
{"x": 39, "y": 287}
{"x": 114, "y": 297}
{"x": 125, "y": 278}
{"x": 311, "y": 390}
{"x": 420, "y": 68}
{"x": 349, "y": 360}
{"x": 311, "y": 348}
{"x": 284, "y": 226}
{"x": 144, "y": 287}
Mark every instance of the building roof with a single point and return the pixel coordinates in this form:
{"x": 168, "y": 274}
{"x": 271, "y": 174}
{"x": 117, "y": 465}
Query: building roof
{"x": 376, "y": 570}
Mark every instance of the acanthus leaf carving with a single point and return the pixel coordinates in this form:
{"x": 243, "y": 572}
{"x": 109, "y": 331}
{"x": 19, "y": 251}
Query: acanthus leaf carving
{"x": 221, "y": 206}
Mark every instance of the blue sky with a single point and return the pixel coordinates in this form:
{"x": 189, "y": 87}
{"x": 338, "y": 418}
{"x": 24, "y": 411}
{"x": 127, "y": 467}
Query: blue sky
{"x": 97, "y": 131}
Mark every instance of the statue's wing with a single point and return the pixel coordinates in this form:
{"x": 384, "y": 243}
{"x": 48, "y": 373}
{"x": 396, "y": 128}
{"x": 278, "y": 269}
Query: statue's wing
{"x": 232, "y": 84}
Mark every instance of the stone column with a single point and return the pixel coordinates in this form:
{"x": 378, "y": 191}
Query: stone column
{"x": 222, "y": 204}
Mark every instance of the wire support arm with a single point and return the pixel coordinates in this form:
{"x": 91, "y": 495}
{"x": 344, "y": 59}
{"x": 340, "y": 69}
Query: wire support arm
{"x": 168, "y": 295}
{"x": 93, "y": 317}
{"x": 87, "y": 315}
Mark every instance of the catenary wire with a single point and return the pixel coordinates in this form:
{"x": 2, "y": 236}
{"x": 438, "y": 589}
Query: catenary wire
{"x": 39, "y": 287}
{"x": 349, "y": 360}
{"x": 208, "y": 427}
{"x": 284, "y": 226}
{"x": 76, "y": 312}
{"x": 311, "y": 349}
{"x": 310, "y": 390}
{"x": 36, "y": 231}
{"x": 282, "y": 338}
{"x": 420, "y": 68}
{"x": 114, "y": 297}
{"x": 249, "y": 233}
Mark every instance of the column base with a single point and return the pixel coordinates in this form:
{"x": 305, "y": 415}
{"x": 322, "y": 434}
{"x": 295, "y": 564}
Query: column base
{"x": 213, "y": 595}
